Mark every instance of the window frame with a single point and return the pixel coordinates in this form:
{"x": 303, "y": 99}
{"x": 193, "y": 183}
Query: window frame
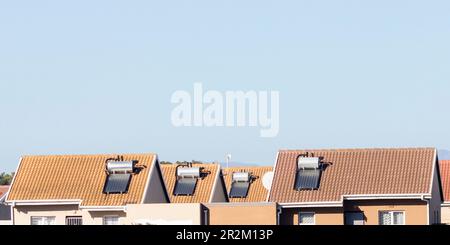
{"x": 80, "y": 218}
{"x": 303, "y": 213}
{"x": 392, "y": 212}
{"x": 110, "y": 216}
{"x": 42, "y": 218}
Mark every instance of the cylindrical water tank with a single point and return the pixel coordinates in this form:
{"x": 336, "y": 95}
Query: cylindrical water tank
{"x": 191, "y": 172}
{"x": 119, "y": 166}
{"x": 241, "y": 176}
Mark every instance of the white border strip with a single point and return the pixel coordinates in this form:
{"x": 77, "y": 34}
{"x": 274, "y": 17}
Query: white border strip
{"x": 104, "y": 208}
{"x": 46, "y": 202}
{"x": 213, "y": 190}
{"x": 273, "y": 176}
{"x": 147, "y": 183}
{"x": 14, "y": 178}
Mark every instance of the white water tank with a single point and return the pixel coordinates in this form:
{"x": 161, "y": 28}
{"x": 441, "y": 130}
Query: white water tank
{"x": 188, "y": 172}
{"x": 119, "y": 166}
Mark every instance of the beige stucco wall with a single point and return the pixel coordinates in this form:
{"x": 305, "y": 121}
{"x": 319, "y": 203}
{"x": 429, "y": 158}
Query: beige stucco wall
{"x": 242, "y": 213}
{"x": 164, "y": 214}
{"x": 445, "y": 215}
{"x": 136, "y": 213}
{"x": 23, "y": 214}
{"x": 416, "y": 211}
{"x": 323, "y": 216}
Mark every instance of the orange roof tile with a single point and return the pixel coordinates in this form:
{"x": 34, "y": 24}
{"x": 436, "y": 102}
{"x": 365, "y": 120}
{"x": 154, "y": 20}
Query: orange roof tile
{"x": 256, "y": 192}
{"x": 73, "y": 177}
{"x": 444, "y": 167}
{"x": 203, "y": 190}
{"x": 356, "y": 171}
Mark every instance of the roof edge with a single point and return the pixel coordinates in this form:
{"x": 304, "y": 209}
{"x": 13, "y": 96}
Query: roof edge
{"x": 273, "y": 170}
{"x": 213, "y": 188}
{"x": 147, "y": 183}
{"x": 46, "y": 202}
{"x": 13, "y": 180}
{"x": 359, "y": 149}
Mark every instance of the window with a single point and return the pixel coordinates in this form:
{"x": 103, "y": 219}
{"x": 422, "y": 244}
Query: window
{"x": 354, "y": 218}
{"x": 42, "y": 220}
{"x": 74, "y": 220}
{"x": 391, "y": 218}
{"x": 111, "y": 220}
{"x": 306, "y": 218}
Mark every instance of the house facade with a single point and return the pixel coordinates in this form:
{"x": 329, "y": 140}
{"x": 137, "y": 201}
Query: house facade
{"x": 357, "y": 187}
{"x": 305, "y": 187}
{"x": 445, "y": 179}
{"x": 247, "y": 189}
{"x": 194, "y": 183}
{"x": 5, "y": 209}
{"x": 83, "y": 189}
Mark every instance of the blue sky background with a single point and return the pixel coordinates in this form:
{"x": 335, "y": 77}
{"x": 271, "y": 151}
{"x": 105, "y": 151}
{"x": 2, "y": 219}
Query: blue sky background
{"x": 97, "y": 76}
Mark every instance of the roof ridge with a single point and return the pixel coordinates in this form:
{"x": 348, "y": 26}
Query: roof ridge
{"x": 89, "y": 155}
{"x": 361, "y": 149}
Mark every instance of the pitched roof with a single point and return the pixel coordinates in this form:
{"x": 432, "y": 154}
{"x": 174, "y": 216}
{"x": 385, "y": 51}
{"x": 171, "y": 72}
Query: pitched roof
{"x": 76, "y": 177}
{"x": 204, "y": 187}
{"x": 3, "y": 190}
{"x": 256, "y": 192}
{"x": 444, "y": 166}
{"x": 356, "y": 171}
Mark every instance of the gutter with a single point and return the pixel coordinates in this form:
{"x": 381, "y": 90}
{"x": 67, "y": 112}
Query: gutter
{"x": 206, "y": 214}
{"x": 279, "y": 211}
{"x": 428, "y": 208}
{"x": 104, "y": 208}
{"x": 44, "y": 202}
{"x": 12, "y": 212}
{"x": 311, "y": 204}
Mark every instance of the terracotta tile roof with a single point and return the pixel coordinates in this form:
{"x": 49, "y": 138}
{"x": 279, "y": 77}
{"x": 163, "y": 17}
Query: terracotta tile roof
{"x": 356, "y": 171}
{"x": 203, "y": 190}
{"x": 444, "y": 167}
{"x": 71, "y": 177}
{"x": 257, "y": 192}
{"x": 3, "y": 190}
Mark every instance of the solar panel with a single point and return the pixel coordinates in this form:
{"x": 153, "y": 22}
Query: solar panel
{"x": 239, "y": 189}
{"x": 117, "y": 183}
{"x": 185, "y": 186}
{"x": 307, "y": 179}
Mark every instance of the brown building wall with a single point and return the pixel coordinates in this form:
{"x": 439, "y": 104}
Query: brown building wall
{"x": 323, "y": 216}
{"x": 416, "y": 212}
{"x": 242, "y": 214}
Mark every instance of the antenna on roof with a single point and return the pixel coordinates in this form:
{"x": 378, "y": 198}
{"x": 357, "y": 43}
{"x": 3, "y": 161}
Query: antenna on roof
{"x": 228, "y": 158}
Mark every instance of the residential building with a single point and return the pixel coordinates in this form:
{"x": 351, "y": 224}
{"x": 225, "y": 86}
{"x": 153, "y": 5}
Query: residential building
{"x": 357, "y": 186}
{"x": 5, "y": 210}
{"x": 445, "y": 179}
{"x": 247, "y": 189}
{"x": 248, "y": 184}
{"x": 83, "y": 189}
{"x": 194, "y": 183}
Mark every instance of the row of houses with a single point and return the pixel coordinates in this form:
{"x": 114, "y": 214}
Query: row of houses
{"x": 304, "y": 187}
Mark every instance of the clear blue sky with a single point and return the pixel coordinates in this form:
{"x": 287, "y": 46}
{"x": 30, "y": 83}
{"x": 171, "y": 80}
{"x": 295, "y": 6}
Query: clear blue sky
{"x": 97, "y": 76}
